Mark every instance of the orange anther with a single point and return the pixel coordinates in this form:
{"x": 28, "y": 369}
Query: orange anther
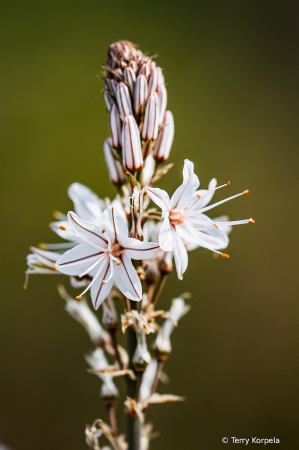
{"x": 198, "y": 196}
{"x": 55, "y": 266}
{"x": 251, "y": 221}
{"x": 78, "y": 297}
{"x": 103, "y": 282}
{"x": 224, "y": 255}
{"x": 118, "y": 263}
{"x": 215, "y": 225}
{"x": 228, "y": 183}
{"x": 62, "y": 227}
{"x": 245, "y": 192}
{"x": 103, "y": 231}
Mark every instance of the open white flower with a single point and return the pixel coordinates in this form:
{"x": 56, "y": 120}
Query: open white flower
{"x": 184, "y": 218}
{"x": 105, "y": 252}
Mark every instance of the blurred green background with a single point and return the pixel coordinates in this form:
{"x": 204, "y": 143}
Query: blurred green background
{"x": 232, "y": 77}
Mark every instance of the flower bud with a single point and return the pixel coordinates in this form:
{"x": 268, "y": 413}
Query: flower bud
{"x": 110, "y": 320}
{"x": 164, "y": 142}
{"x": 134, "y": 66}
{"x": 151, "y": 118}
{"x": 152, "y": 65}
{"x": 153, "y": 80}
{"x": 130, "y": 78}
{"x": 109, "y": 100}
{"x": 144, "y": 69}
{"x": 132, "y": 156}
{"x": 141, "y": 358}
{"x": 113, "y": 84}
{"x": 116, "y": 173}
{"x": 161, "y": 79}
{"x": 123, "y": 100}
{"x": 140, "y": 94}
{"x": 119, "y": 73}
{"x": 162, "y": 94}
{"x": 115, "y": 126}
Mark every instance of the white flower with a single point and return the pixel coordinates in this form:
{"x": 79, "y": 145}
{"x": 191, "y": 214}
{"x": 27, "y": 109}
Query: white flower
{"x": 105, "y": 252}
{"x": 184, "y": 218}
{"x": 88, "y": 206}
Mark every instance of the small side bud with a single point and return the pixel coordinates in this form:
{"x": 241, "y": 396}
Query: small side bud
{"x": 141, "y": 359}
{"x": 123, "y": 100}
{"x": 115, "y": 126}
{"x": 165, "y": 138}
{"x": 132, "y": 156}
{"x": 151, "y": 118}
{"x": 109, "y": 100}
{"x": 140, "y": 94}
{"x": 130, "y": 78}
{"x": 162, "y": 94}
{"x": 116, "y": 173}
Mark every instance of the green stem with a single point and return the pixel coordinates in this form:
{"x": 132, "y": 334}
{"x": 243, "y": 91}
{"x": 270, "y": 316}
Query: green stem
{"x": 133, "y": 424}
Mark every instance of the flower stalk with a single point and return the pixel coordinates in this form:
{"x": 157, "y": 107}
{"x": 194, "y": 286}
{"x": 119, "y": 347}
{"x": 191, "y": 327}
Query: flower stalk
{"x": 122, "y": 251}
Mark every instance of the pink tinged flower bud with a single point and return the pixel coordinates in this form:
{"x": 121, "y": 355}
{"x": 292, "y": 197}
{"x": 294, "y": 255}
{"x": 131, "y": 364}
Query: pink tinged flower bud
{"x": 119, "y": 73}
{"x": 109, "y": 100}
{"x": 115, "y": 126}
{"x": 161, "y": 79}
{"x": 116, "y": 173}
{"x": 123, "y": 100}
{"x": 132, "y": 156}
{"x": 164, "y": 142}
{"x": 162, "y": 94}
{"x": 130, "y": 78}
{"x": 151, "y": 118}
{"x": 152, "y": 65}
{"x": 144, "y": 69}
{"x": 140, "y": 94}
{"x": 153, "y": 80}
{"x": 134, "y": 66}
{"x": 113, "y": 84}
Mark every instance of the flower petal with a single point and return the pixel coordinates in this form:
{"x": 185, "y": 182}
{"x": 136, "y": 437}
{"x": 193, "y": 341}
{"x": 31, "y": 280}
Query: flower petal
{"x": 78, "y": 259}
{"x": 86, "y": 202}
{"x": 47, "y": 258}
{"x": 184, "y": 193}
{"x": 126, "y": 278}
{"x": 166, "y": 237}
{"x": 160, "y": 197}
{"x": 100, "y": 291}
{"x": 180, "y": 256}
{"x": 86, "y": 231}
{"x": 65, "y": 234}
{"x": 139, "y": 249}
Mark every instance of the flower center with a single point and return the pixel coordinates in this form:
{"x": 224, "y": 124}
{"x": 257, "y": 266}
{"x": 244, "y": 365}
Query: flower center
{"x": 115, "y": 250}
{"x": 177, "y": 216}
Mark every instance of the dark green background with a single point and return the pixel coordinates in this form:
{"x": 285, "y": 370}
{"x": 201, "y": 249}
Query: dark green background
{"x": 232, "y": 76}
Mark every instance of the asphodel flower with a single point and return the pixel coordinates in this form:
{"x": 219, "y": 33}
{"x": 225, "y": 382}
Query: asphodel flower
{"x": 105, "y": 252}
{"x": 184, "y": 218}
